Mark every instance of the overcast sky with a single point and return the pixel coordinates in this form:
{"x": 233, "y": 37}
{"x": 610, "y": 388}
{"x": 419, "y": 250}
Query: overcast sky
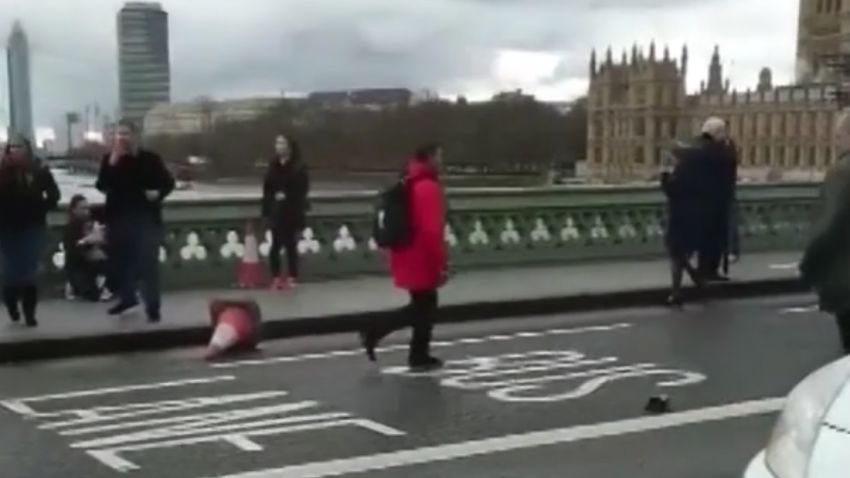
{"x": 233, "y": 48}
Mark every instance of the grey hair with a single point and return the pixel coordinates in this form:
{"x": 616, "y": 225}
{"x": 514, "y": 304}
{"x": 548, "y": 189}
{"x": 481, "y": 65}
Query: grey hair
{"x": 714, "y": 127}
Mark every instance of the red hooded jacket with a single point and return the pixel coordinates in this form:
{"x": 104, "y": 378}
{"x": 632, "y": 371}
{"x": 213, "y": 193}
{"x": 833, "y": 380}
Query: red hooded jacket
{"x": 420, "y": 265}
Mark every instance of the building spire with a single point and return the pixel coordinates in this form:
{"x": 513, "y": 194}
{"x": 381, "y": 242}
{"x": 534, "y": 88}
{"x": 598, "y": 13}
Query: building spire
{"x": 652, "y": 51}
{"x": 715, "y": 74}
{"x": 593, "y": 63}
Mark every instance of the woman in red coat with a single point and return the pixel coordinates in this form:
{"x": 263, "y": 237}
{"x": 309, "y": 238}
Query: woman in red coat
{"x": 419, "y": 267}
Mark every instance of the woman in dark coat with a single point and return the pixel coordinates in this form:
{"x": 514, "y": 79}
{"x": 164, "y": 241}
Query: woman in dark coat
{"x": 687, "y": 200}
{"x": 27, "y": 192}
{"x": 285, "y": 191}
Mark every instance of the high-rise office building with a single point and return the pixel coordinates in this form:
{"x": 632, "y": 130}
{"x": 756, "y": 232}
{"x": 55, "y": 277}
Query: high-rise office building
{"x": 20, "y": 93}
{"x": 144, "y": 72}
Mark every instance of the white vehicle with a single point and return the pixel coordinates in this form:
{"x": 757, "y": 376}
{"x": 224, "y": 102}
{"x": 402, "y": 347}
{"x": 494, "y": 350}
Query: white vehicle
{"x": 812, "y": 438}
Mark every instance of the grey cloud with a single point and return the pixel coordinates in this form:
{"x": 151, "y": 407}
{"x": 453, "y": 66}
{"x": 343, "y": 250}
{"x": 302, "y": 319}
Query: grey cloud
{"x": 244, "y": 47}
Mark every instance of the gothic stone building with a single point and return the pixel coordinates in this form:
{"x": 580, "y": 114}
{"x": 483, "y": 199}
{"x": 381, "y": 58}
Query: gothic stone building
{"x": 638, "y": 107}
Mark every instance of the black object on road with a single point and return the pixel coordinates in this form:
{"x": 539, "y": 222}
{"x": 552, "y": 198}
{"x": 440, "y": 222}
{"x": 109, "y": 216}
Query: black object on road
{"x": 658, "y": 405}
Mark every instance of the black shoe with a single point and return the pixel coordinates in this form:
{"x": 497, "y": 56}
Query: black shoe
{"x": 369, "y": 343}
{"x": 715, "y": 278}
{"x": 675, "y": 301}
{"x": 11, "y": 298}
{"x": 428, "y": 364}
{"x": 154, "y": 317}
{"x": 123, "y": 308}
{"x": 31, "y": 322}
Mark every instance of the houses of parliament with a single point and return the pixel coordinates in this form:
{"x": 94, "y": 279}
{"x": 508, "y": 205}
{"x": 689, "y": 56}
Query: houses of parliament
{"x": 638, "y": 106}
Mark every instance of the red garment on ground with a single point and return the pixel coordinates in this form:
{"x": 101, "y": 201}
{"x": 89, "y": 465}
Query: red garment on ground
{"x": 420, "y": 265}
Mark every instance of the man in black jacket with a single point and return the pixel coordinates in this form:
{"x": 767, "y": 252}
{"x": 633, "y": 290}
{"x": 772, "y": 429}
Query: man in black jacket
{"x": 135, "y": 182}
{"x": 721, "y": 177}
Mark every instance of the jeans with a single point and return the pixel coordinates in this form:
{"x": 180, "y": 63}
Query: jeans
{"x": 134, "y": 257}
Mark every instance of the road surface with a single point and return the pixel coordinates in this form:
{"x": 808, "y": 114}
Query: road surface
{"x": 527, "y": 397}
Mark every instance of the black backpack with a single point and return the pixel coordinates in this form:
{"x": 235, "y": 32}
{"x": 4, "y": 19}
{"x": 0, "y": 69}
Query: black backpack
{"x": 390, "y": 224}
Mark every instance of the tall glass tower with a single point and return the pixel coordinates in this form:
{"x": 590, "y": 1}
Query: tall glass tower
{"x": 144, "y": 72}
{"x": 20, "y": 93}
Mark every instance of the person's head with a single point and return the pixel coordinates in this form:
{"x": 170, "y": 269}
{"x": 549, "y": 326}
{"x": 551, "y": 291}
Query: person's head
{"x": 430, "y": 153}
{"x": 125, "y": 138}
{"x": 715, "y": 128}
{"x": 286, "y": 149}
{"x": 18, "y": 150}
{"x": 79, "y": 208}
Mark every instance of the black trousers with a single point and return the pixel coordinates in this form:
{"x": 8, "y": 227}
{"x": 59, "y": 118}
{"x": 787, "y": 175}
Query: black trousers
{"x": 420, "y": 314}
{"x": 843, "y": 320}
{"x": 286, "y": 239}
{"x": 715, "y": 243}
{"x": 83, "y": 279}
{"x": 17, "y": 297}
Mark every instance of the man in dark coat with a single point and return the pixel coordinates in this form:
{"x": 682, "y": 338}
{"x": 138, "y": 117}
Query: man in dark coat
{"x": 720, "y": 179}
{"x": 135, "y": 182}
{"x": 689, "y": 197}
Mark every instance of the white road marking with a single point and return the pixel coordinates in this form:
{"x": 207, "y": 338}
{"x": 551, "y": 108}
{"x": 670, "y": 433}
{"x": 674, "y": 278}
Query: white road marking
{"x": 489, "y": 446}
{"x": 785, "y": 267}
{"x": 145, "y": 409}
{"x": 546, "y": 376}
{"x": 19, "y": 405}
{"x": 240, "y": 439}
{"x": 441, "y": 344}
{"x": 801, "y": 310}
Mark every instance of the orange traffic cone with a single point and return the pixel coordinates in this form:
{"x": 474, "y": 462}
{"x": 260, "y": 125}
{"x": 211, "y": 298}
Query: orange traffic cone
{"x": 249, "y": 272}
{"x": 236, "y": 327}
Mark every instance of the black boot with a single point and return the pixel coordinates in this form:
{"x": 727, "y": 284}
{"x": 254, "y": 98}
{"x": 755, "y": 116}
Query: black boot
{"x": 11, "y": 297}
{"x": 29, "y": 298}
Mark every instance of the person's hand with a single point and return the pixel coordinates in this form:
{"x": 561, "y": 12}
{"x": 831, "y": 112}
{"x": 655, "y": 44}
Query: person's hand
{"x": 98, "y": 255}
{"x": 280, "y": 196}
{"x": 152, "y": 195}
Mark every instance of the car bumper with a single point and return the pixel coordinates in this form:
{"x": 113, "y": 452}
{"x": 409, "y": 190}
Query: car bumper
{"x": 758, "y": 468}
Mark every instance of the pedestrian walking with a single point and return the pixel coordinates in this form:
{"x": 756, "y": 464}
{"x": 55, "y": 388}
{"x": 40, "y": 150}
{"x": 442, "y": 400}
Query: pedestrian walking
{"x": 285, "y": 203}
{"x": 826, "y": 263}
{"x": 27, "y": 192}
{"x": 687, "y": 200}
{"x": 84, "y": 242}
{"x": 135, "y": 182}
{"x": 419, "y": 265}
{"x": 721, "y": 176}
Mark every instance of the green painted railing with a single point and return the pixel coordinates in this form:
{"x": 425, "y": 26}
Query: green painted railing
{"x": 487, "y": 227}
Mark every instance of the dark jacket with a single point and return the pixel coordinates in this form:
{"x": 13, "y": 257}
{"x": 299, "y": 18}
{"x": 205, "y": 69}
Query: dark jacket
{"x": 293, "y": 183}
{"x": 689, "y": 198}
{"x": 76, "y": 254}
{"x": 26, "y": 195}
{"x": 125, "y": 184}
{"x": 421, "y": 264}
{"x": 826, "y": 263}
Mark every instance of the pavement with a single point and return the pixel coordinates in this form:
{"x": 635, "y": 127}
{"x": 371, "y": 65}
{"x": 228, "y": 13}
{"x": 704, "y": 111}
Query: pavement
{"x": 74, "y": 328}
{"x": 532, "y": 397}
